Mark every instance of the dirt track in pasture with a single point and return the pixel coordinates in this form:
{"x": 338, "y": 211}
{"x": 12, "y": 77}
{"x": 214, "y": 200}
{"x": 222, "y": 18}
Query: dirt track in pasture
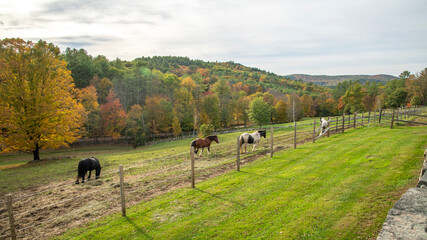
{"x": 49, "y": 210}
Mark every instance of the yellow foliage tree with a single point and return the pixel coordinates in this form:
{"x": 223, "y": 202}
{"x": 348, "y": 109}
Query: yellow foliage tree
{"x": 38, "y": 105}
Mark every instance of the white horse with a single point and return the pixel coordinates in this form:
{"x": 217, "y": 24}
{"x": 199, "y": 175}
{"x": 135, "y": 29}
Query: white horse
{"x": 252, "y": 138}
{"x": 323, "y": 125}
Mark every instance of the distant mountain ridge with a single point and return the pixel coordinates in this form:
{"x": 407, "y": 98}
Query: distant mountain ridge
{"x": 326, "y": 80}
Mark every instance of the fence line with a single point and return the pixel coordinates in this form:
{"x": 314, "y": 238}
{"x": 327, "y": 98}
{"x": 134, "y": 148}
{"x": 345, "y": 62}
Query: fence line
{"x": 303, "y": 135}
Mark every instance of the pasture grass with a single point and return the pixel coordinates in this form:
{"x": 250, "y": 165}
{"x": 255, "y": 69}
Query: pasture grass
{"x": 18, "y": 172}
{"x": 341, "y": 187}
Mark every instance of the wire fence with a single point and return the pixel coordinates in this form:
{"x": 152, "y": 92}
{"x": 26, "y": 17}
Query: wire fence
{"x": 50, "y": 212}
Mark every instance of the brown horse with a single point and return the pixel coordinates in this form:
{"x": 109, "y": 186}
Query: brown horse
{"x": 202, "y": 143}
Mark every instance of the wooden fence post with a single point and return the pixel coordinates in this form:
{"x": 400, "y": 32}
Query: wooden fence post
{"x": 369, "y": 118}
{"x": 271, "y": 143}
{"x": 295, "y": 134}
{"x": 397, "y": 115}
{"x": 392, "y": 120}
{"x": 328, "y": 127}
{"x": 238, "y": 154}
{"x": 343, "y": 121}
{"x": 122, "y": 191}
{"x": 11, "y": 218}
{"x": 354, "y": 120}
{"x": 193, "y": 182}
{"x": 314, "y": 131}
{"x": 336, "y": 126}
{"x": 375, "y": 113}
{"x": 349, "y": 120}
{"x": 363, "y": 116}
{"x": 379, "y": 121}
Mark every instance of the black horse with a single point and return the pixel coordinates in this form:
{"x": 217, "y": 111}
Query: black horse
{"x": 88, "y": 164}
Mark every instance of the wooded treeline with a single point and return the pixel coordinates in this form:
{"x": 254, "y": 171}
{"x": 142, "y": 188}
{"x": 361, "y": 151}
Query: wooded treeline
{"x": 152, "y": 95}
{"x": 49, "y": 98}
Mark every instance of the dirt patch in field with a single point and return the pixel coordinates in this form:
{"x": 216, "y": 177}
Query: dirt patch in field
{"x": 10, "y": 166}
{"x": 49, "y": 210}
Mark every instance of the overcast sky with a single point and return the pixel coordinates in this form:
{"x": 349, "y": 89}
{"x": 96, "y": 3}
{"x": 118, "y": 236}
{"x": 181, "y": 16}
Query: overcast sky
{"x": 284, "y": 37}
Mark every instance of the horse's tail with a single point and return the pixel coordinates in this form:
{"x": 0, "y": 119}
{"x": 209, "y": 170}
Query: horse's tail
{"x": 81, "y": 168}
{"x": 242, "y": 141}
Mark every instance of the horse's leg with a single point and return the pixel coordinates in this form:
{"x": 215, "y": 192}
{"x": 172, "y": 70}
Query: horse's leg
{"x": 77, "y": 180}
{"x": 90, "y": 171}
{"x": 253, "y": 149}
{"x": 246, "y": 150}
{"x": 209, "y": 150}
{"x": 83, "y": 178}
{"x": 201, "y": 150}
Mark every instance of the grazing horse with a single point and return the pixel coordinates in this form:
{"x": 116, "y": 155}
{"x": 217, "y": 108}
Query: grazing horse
{"x": 252, "y": 138}
{"x": 88, "y": 164}
{"x": 323, "y": 125}
{"x": 202, "y": 143}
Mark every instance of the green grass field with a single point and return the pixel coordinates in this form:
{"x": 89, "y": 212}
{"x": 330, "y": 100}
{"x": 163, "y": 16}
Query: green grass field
{"x": 341, "y": 187}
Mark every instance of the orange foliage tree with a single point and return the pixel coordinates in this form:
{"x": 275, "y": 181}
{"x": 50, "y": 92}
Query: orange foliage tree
{"x": 38, "y": 106}
{"x": 113, "y": 116}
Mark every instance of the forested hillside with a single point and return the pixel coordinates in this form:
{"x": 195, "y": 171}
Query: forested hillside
{"x": 327, "y": 80}
{"x": 149, "y": 96}
{"x": 162, "y": 96}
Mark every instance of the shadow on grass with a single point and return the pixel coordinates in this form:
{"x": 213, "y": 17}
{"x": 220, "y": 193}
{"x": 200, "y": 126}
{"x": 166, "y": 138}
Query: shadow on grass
{"x": 138, "y": 229}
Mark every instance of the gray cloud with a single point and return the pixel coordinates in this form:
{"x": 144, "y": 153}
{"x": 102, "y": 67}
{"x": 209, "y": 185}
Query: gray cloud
{"x": 293, "y": 36}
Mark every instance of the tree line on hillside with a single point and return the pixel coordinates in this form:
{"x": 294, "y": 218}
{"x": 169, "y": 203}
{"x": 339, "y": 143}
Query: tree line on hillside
{"x": 150, "y": 96}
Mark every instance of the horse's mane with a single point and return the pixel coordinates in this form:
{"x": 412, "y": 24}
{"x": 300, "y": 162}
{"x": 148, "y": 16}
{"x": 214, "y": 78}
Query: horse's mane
{"x": 212, "y": 137}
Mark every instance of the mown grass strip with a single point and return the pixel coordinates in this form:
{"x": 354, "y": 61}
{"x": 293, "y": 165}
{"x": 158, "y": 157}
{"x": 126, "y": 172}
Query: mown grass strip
{"x": 338, "y": 188}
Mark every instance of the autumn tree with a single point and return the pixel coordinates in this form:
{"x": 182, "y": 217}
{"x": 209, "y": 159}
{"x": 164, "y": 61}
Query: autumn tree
{"x": 184, "y": 106}
{"x": 259, "y": 111}
{"x": 171, "y": 82}
{"x": 210, "y": 111}
{"x": 293, "y": 105}
{"x": 281, "y": 113}
{"x": 38, "y": 105}
{"x": 223, "y": 91}
{"x": 176, "y": 126}
{"x": 241, "y": 110}
{"x": 103, "y": 89}
{"x": 89, "y": 100}
{"x": 352, "y": 101}
{"x": 165, "y": 118}
{"x": 152, "y": 110}
{"x": 135, "y": 125}
{"x": 113, "y": 116}
{"x": 416, "y": 86}
{"x": 307, "y": 106}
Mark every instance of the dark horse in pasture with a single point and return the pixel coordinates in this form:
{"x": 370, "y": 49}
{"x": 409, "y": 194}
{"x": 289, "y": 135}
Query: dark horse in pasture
{"x": 252, "y": 138}
{"x": 88, "y": 164}
{"x": 202, "y": 143}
